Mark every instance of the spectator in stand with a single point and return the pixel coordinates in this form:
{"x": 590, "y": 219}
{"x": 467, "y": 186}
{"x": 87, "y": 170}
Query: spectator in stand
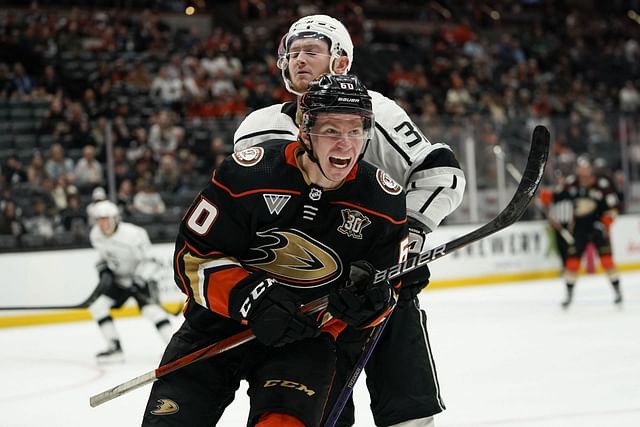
{"x": 167, "y": 175}
{"x": 164, "y": 135}
{"x": 60, "y": 191}
{"x": 10, "y": 222}
{"x": 36, "y": 171}
{"x": 40, "y": 222}
{"x": 139, "y": 77}
{"x": 50, "y": 83}
{"x": 88, "y": 171}
{"x": 166, "y": 90}
{"x": 125, "y": 197}
{"x": 121, "y": 167}
{"x": 137, "y": 145}
{"x": 629, "y": 98}
{"x": 74, "y": 218}
{"x": 22, "y": 82}
{"x": 147, "y": 200}
{"x": 58, "y": 164}
{"x": 13, "y": 171}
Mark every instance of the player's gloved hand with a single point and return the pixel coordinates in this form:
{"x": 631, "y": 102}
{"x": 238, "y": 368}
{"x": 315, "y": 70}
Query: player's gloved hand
{"x": 361, "y": 302}
{"x": 271, "y": 310}
{"x": 416, "y": 280}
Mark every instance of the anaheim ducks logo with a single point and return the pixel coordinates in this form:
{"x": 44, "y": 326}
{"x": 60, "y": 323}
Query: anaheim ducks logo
{"x": 295, "y": 258}
{"x": 585, "y": 206}
{"x": 165, "y": 407}
{"x": 248, "y": 157}
{"x": 387, "y": 183}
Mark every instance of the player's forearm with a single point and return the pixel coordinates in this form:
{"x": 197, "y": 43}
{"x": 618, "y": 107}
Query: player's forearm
{"x": 432, "y": 197}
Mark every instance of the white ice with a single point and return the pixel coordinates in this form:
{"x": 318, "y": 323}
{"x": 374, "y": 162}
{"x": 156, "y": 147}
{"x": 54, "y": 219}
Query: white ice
{"x": 507, "y": 355}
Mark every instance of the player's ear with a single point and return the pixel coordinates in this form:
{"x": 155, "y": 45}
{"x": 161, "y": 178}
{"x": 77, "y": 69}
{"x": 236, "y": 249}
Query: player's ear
{"x": 340, "y": 65}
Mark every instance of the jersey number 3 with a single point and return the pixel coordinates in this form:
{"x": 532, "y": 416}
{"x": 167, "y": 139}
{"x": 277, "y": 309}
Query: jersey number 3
{"x": 412, "y": 131}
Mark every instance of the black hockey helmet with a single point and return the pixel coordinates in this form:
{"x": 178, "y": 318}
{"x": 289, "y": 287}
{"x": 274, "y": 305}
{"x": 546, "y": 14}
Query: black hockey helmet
{"x": 341, "y": 94}
{"x": 332, "y": 93}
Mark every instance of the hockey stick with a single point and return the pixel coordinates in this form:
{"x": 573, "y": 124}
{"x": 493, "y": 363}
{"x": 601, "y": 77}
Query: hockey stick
{"x": 515, "y": 209}
{"x": 204, "y": 353}
{"x": 84, "y": 304}
{"x": 517, "y": 176}
{"x": 529, "y": 183}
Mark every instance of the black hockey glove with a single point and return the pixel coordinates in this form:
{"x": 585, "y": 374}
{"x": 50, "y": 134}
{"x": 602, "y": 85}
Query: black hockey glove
{"x": 271, "y": 311}
{"x": 418, "y": 279}
{"x": 360, "y": 302}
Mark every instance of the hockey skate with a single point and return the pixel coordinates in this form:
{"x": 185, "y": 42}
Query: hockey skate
{"x": 113, "y": 354}
{"x": 618, "y": 299}
{"x": 567, "y": 301}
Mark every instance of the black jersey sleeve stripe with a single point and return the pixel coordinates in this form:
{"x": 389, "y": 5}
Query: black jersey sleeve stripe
{"x": 430, "y": 199}
{"x": 455, "y": 182}
{"x": 395, "y": 146}
{"x": 440, "y": 157}
{"x": 265, "y": 132}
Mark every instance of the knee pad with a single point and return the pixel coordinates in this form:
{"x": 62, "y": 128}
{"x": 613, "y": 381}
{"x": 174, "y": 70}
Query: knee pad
{"x": 101, "y": 307}
{"x": 275, "y": 419}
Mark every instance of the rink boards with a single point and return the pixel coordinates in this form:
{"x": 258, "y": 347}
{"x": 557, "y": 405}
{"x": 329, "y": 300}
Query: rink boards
{"x": 521, "y": 252}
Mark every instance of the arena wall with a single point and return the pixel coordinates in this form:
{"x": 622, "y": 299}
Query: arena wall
{"x": 523, "y": 251}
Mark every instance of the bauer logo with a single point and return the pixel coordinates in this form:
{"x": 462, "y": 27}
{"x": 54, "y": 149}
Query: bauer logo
{"x": 354, "y": 100}
{"x": 166, "y": 407}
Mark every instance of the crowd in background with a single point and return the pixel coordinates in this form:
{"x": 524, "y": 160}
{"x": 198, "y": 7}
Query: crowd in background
{"x": 168, "y": 99}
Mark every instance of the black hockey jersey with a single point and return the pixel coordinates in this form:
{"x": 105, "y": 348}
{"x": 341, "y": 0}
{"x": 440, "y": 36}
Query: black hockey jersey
{"x": 584, "y": 205}
{"x": 259, "y": 212}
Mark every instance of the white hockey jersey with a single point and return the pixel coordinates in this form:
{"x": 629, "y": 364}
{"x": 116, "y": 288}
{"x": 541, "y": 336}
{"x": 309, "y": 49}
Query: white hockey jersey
{"x": 429, "y": 172}
{"x": 126, "y": 251}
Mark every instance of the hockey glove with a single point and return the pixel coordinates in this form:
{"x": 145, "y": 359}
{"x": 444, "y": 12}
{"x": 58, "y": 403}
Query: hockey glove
{"x": 361, "y": 302}
{"x": 271, "y": 310}
{"x": 416, "y": 280}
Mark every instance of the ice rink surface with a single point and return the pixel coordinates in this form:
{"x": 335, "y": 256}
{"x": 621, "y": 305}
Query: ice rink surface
{"x": 507, "y": 355}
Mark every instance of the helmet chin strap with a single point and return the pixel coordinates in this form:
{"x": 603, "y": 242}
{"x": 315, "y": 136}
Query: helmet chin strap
{"x": 312, "y": 155}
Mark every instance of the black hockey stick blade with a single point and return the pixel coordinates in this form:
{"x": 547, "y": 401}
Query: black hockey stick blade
{"x": 84, "y": 304}
{"x": 531, "y": 178}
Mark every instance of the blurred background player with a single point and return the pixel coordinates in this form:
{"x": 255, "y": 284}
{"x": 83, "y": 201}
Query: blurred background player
{"x": 592, "y": 209}
{"x": 125, "y": 269}
{"x": 400, "y": 392}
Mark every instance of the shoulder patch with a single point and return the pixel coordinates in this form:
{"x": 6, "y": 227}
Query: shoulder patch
{"x": 387, "y": 183}
{"x": 249, "y": 156}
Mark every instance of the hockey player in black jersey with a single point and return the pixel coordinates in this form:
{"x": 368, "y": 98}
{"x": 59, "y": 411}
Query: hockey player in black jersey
{"x": 278, "y": 226}
{"x": 405, "y": 393}
{"x": 590, "y": 205}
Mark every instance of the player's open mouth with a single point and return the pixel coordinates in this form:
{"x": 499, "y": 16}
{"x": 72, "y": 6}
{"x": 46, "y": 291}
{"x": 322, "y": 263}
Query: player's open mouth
{"x": 339, "y": 162}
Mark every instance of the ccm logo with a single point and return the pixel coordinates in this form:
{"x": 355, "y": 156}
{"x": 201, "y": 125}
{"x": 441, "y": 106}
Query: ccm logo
{"x": 290, "y": 384}
{"x": 255, "y": 293}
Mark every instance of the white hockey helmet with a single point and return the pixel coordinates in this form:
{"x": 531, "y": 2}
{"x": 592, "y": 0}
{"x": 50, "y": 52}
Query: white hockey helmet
{"x": 107, "y": 209}
{"x": 322, "y": 27}
{"x": 98, "y": 194}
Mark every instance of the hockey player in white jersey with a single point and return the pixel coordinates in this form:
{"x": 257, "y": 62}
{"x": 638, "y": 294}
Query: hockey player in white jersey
{"x": 405, "y": 393}
{"x": 125, "y": 269}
